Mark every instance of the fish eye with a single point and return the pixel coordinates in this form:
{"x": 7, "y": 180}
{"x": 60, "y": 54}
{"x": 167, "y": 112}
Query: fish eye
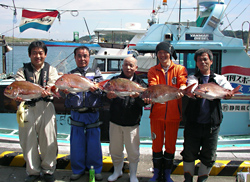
{"x": 61, "y": 79}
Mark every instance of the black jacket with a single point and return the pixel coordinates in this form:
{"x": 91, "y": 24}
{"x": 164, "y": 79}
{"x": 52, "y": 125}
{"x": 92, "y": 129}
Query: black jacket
{"x": 127, "y": 111}
{"x": 44, "y": 75}
{"x": 193, "y": 107}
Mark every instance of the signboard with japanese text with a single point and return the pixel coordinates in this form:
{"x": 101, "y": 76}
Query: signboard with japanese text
{"x": 238, "y": 76}
{"x": 235, "y": 107}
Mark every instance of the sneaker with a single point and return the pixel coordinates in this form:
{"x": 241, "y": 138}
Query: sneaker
{"x": 31, "y": 178}
{"x": 74, "y": 177}
{"x": 49, "y": 177}
{"x": 98, "y": 177}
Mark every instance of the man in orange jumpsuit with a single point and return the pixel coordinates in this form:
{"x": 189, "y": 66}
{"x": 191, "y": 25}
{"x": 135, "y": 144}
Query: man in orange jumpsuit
{"x": 165, "y": 118}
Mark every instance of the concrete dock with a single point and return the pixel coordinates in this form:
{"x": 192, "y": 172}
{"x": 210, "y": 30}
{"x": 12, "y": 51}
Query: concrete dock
{"x": 230, "y": 160}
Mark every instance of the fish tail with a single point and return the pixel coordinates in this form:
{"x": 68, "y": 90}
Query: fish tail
{"x": 236, "y": 90}
{"x": 101, "y": 84}
{"x": 54, "y": 91}
{"x": 188, "y": 91}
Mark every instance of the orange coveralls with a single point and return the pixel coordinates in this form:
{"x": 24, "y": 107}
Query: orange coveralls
{"x": 165, "y": 118}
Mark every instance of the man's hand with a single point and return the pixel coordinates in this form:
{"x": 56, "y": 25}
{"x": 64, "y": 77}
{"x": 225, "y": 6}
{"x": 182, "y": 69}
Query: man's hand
{"x": 111, "y": 95}
{"x": 94, "y": 88}
{"x": 65, "y": 91}
{"x": 46, "y": 92}
{"x": 229, "y": 96}
{"x": 179, "y": 95}
{"x": 135, "y": 95}
{"x": 18, "y": 99}
{"x": 148, "y": 101}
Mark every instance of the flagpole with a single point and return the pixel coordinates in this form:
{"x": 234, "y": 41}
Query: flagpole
{"x": 3, "y": 54}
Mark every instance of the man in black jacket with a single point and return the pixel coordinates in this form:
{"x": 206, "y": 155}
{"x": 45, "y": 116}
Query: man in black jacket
{"x": 125, "y": 116}
{"x": 203, "y": 120}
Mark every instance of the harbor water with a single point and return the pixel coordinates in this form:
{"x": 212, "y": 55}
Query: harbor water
{"x": 19, "y": 55}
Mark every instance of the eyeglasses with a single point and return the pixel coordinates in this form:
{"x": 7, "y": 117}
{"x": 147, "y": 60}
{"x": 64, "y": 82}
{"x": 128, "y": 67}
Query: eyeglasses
{"x": 83, "y": 56}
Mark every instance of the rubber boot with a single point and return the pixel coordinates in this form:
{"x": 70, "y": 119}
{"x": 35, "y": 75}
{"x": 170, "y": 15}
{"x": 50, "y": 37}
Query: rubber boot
{"x": 188, "y": 177}
{"x": 158, "y": 164}
{"x": 167, "y": 166}
{"x": 203, "y": 172}
{"x": 117, "y": 172}
{"x": 188, "y": 168}
{"x": 202, "y": 178}
{"x": 133, "y": 171}
{"x": 167, "y": 173}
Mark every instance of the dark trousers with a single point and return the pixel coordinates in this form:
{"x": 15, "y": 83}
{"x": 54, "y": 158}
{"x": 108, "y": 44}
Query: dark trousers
{"x": 200, "y": 142}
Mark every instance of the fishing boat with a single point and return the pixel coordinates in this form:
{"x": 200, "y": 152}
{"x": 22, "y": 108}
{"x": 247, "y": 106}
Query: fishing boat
{"x": 111, "y": 54}
{"x": 186, "y": 37}
{"x": 92, "y": 43}
{"x": 230, "y": 59}
{"x": 69, "y": 44}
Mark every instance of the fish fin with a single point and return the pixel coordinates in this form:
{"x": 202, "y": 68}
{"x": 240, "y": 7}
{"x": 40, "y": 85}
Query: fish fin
{"x": 188, "y": 91}
{"x": 236, "y": 90}
{"x": 190, "y": 95}
{"x": 101, "y": 84}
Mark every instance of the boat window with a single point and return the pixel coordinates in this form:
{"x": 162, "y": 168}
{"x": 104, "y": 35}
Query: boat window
{"x": 115, "y": 64}
{"x": 101, "y": 64}
{"x": 186, "y": 58}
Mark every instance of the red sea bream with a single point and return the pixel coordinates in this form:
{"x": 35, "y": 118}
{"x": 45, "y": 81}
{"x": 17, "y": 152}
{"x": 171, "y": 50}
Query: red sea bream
{"x": 162, "y": 93}
{"x": 73, "y": 83}
{"x": 23, "y": 89}
{"x": 212, "y": 91}
{"x": 123, "y": 87}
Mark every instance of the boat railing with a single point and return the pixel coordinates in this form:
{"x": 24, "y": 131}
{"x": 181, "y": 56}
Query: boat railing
{"x": 113, "y": 45}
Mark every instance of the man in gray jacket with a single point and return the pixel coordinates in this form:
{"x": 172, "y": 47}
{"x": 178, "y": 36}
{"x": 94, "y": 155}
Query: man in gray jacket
{"x": 39, "y": 133}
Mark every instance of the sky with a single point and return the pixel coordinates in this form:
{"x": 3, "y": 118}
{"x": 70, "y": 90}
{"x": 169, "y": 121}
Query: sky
{"x": 110, "y": 14}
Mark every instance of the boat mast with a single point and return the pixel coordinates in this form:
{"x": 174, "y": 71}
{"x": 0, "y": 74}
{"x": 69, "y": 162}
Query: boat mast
{"x": 180, "y": 13}
{"x": 179, "y": 26}
{"x": 198, "y": 10}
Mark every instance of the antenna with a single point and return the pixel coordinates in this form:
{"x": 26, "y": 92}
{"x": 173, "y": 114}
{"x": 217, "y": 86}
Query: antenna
{"x": 87, "y": 29}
